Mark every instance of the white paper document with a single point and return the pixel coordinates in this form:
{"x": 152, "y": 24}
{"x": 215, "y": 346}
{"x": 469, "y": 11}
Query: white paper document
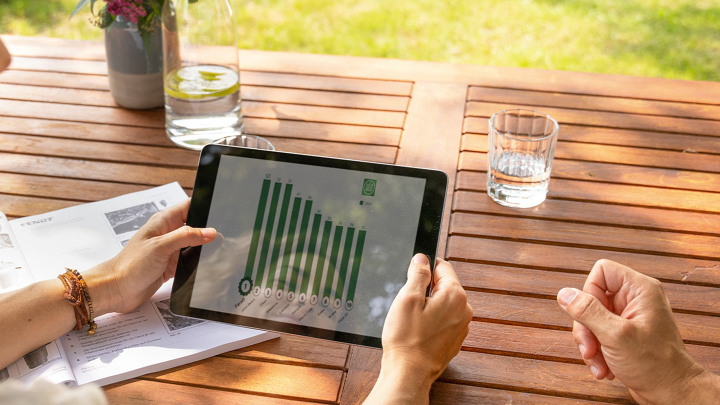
{"x": 147, "y": 339}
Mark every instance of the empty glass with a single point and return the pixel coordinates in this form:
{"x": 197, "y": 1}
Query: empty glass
{"x": 246, "y": 141}
{"x": 521, "y": 146}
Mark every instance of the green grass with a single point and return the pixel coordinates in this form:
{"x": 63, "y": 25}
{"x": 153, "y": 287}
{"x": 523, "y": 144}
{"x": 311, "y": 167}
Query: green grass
{"x": 662, "y": 38}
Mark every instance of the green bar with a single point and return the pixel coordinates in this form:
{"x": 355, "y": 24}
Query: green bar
{"x": 321, "y": 258}
{"x": 259, "y": 217}
{"x": 340, "y": 286}
{"x": 311, "y": 252}
{"x": 268, "y": 232}
{"x": 333, "y": 261}
{"x": 356, "y": 265}
{"x": 300, "y": 245}
{"x": 289, "y": 243}
{"x": 279, "y": 235}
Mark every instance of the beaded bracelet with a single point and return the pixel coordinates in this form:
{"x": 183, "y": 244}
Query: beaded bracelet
{"x": 77, "y": 295}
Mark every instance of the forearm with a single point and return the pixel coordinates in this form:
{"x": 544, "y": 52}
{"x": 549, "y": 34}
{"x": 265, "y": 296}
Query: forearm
{"x": 39, "y": 313}
{"x": 400, "y": 384}
{"x": 31, "y": 317}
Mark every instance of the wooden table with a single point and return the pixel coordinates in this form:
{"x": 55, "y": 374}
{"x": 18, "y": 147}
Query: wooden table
{"x": 636, "y": 179}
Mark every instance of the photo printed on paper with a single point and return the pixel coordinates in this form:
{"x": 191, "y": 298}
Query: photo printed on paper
{"x": 174, "y": 323}
{"x": 132, "y": 218}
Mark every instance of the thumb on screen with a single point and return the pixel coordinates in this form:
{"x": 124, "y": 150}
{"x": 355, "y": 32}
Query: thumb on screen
{"x": 419, "y": 275}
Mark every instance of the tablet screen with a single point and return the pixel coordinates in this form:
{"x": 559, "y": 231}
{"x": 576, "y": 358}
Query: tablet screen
{"x": 312, "y": 246}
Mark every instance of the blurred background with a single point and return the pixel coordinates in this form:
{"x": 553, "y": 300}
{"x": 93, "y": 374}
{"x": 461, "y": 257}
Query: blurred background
{"x": 661, "y": 38}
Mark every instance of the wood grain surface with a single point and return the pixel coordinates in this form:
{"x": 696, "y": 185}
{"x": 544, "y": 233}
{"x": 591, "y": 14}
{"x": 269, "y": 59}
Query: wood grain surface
{"x": 636, "y": 179}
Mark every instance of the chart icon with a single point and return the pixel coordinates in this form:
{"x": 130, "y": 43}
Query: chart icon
{"x": 369, "y": 187}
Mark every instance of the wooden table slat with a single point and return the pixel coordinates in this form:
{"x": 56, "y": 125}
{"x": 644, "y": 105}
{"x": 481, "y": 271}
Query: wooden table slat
{"x": 452, "y": 394}
{"x": 614, "y": 173}
{"x": 56, "y": 80}
{"x": 611, "y": 193}
{"x": 531, "y": 375}
{"x": 144, "y": 392}
{"x": 103, "y": 98}
{"x": 553, "y": 345}
{"x": 546, "y": 312}
{"x": 156, "y": 119}
{"x": 64, "y": 70}
{"x": 81, "y": 113}
{"x": 325, "y": 98}
{"x": 582, "y": 259}
{"x": 607, "y": 119}
{"x": 93, "y": 150}
{"x": 279, "y": 380}
{"x": 152, "y": 136}
{"x": 99, "y": 98}
{"x": 158, "y": 156}
{"x": 289, "y": 349}
{"x": 85, "y": 169}
{"x": 21, "y": 206}
{"x": 388, "y": 119}
{"x": 60, "y": 188}
{"x": 594, "y": 236}
{"x": 594, "y": 103}
{"x": 595, "y": 213}
{"x": 613, "y": 154}
{"x": 618, "y": 137}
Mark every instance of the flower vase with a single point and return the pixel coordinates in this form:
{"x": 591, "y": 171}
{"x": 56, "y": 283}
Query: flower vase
{"x": 135, "y": 68}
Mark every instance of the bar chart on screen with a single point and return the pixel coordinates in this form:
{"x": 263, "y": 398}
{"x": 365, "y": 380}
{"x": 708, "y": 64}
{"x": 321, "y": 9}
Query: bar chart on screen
{"x": 301, "y": 253}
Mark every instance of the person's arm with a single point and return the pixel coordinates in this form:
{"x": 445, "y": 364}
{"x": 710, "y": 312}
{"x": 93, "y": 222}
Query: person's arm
{"x": 624, "y": 329}
{"x": 37, "y": 314}
{"x": 4, "y": 57}
{"x": 421, "y": 334}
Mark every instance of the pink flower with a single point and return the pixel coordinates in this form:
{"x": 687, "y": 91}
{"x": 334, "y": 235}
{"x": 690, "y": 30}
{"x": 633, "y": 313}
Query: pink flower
{"x": 130, "y": 9}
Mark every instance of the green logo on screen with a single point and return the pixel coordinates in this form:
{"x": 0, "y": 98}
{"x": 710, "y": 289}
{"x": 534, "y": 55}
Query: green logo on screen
{"x": 369, "y": 187}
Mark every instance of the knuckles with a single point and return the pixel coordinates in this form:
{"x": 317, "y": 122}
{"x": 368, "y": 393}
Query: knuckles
{"x": 189, "y": 232}
{"x": 583, "y": 306}
{"x": 420, "y": 270}
{"x": 656, "y": 284}
{"x": 457, "y": 297}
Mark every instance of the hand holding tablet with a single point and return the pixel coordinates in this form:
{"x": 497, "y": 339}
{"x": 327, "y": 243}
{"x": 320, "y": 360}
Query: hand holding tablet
{"x": 311, "y": 246}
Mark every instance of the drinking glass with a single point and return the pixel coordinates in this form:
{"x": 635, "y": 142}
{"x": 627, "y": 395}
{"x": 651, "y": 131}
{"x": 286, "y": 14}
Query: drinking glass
{"x": 201, "y": 72}
{"x": 521, "y": 146}
{"x": 246, "y": 141}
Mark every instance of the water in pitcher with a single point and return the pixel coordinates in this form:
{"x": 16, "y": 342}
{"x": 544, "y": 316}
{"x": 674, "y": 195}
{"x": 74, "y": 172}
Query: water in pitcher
{"x": 518, "y": 179}
{"x": 202, "y": 104}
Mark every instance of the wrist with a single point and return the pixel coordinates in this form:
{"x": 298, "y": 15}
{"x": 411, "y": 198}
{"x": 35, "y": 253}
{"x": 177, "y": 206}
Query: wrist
{"x": 102, "y": 289}
{"x": 693, "y": 388}
{"x": 405, "y": 381}
{"x": 703, "y": 388}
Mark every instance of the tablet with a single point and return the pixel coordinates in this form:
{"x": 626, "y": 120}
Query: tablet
{"x": 308, "y": 245}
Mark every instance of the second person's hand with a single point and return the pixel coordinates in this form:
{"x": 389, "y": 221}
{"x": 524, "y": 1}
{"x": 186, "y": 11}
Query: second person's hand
{"x": 624, "y": 328}
{"x": 421, "y": 334}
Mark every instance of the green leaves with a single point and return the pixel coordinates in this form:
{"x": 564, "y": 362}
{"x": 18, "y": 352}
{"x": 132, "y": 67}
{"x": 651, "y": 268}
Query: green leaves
{"x": 81, "y": 5}
{"x": 146, "y": 39}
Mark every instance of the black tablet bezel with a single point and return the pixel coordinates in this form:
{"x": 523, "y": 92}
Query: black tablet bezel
{"x": 426, "y": 240}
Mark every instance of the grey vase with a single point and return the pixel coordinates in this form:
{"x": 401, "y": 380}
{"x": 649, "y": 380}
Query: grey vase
{"x": 135, "y": 73}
